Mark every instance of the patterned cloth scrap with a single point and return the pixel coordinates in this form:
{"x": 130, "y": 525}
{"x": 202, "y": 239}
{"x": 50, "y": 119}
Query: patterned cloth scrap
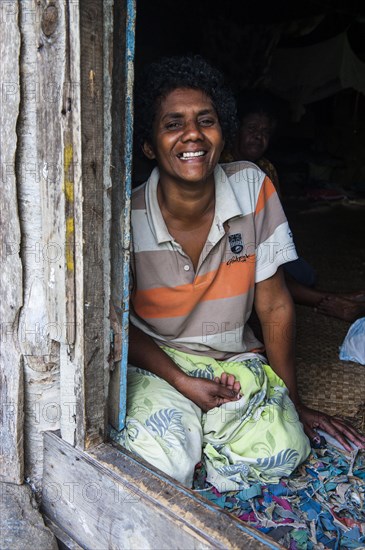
{"x": 321, "y": 505}
{"x": 257, "y": 438}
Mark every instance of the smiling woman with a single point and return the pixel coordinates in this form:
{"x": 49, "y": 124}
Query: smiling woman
{"x": 158, "y": 79}
{"x": 208, "y": 243}
{"x": 187, "y": 139}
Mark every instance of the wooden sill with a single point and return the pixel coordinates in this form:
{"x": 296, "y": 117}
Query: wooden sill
{"x": 108, "y": 498}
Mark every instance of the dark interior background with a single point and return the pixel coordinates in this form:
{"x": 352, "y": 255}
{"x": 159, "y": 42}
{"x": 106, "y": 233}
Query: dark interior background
{"x": 324, "y": 149}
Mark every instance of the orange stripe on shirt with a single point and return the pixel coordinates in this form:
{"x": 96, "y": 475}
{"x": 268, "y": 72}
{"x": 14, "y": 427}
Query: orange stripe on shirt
{"x": 230, "y": 280}
{"x": 267, "y": 189}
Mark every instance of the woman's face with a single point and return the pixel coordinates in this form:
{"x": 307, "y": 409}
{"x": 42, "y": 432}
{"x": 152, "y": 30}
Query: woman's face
{"x": 254, "y": 136}
{"x": 187, "y": 137}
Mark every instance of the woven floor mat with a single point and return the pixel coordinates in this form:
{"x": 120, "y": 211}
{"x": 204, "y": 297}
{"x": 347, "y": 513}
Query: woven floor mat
{"x": 331, "y": 240}
{"x": 325, "y": 382}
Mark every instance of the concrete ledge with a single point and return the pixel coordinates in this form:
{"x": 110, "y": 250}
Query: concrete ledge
{"x": 21, "y": 524}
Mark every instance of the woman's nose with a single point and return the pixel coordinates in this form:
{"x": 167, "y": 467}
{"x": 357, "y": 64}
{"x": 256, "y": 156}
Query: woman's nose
{"x": 259, "y": 134}
{"x": 192, "y": 131}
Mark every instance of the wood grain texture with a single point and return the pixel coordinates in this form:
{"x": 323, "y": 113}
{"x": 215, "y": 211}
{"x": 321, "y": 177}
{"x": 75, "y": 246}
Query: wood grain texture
{"x": 39, "y": 156}
{"x": 50, "y": 73}
{"x": 107, "y": 499}
{"x": 91, "y": 379}
{"x": 11, "y": 283}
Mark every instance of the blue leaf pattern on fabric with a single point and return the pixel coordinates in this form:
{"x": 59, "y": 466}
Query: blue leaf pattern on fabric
{"x": 280, "y": 464}
{"x": 167, "y": 425}
{"x": 232, "y": 469}
{"x": 206, "y": 372}
{"x": 276, "y": 399}
{"x": 146, "y": 372}
{"x": 132, "y": 429}
{"x": 255, "y": 366}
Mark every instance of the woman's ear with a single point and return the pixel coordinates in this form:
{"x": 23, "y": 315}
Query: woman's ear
{"x": 148, "y": 150}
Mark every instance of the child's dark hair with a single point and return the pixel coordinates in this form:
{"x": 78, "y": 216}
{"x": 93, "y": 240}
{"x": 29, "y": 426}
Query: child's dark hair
{"x": 160, "y": 78}
{"x": 251, "y": 101}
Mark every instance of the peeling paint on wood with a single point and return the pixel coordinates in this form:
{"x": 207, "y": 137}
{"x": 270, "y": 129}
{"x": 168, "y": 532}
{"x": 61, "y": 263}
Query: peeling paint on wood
{"x": 67, "y": 394}
{"x": 122, "y": 161}
{"x": 11, "y": 376}
{"x": 72, "y": 353}
{"x": 41, "y": 370}
{"x": 48, "y": 174}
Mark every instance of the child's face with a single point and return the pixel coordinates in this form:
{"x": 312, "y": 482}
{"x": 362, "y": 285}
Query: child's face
{"x": 187, "y": 138}
{"x": 254, "y": 136}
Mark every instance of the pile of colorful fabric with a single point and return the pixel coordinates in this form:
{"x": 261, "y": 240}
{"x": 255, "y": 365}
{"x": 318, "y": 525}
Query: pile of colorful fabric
{"x": 322, "y": 505}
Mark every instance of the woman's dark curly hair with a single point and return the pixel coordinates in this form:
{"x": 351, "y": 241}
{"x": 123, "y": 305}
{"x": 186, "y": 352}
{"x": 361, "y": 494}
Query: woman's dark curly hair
{"x": 251, "y": 101}
{"x": 160, "y": 78}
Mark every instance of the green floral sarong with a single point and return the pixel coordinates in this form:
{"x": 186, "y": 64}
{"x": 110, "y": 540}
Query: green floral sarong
{"x": 257, "y": 438}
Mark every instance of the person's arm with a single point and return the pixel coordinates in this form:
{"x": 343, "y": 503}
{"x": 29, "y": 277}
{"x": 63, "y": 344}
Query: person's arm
{"x": 207, "y": 394}
{"x": 275, "y": 310}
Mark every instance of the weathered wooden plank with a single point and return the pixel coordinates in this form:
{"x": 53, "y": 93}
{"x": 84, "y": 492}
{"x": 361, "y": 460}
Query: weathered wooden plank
{"x": 108, "y": 499}
{"x": 11, "y": 379}
{"x": 42, "y": 205}
{"x": 91, "y": 376}
{"x": 54, "y": 211}
{"x": 61, "y": 536}
{"x": 53, "y": 154}
{"x": 57, "y": 115}
{"x": 123, "y": 78}
{"x": 107, "y": 162}
{"x": 67, "y": 395}
{"x": 71, "y": 356}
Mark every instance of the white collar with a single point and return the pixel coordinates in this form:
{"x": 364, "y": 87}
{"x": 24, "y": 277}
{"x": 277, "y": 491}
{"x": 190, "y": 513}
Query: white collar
{"x": 226, "y": 206}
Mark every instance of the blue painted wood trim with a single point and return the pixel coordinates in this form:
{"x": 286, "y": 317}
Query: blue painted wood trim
{"x": 128, "y": 140}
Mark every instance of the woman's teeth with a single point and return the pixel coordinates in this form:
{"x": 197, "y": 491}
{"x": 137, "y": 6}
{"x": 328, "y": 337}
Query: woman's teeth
{"x": 191, "y": 154}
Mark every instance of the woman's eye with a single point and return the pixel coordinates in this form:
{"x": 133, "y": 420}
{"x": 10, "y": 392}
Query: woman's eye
{"x": 173, "y": 125}
{"x": 206, "y": 122}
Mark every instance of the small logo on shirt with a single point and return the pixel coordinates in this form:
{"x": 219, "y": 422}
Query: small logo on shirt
{"x": 239, "y": 259}
{"x": 235, "y": 242}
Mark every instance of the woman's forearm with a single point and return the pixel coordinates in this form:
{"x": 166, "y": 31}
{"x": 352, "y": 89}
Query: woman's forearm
{"x": 276, "y": 312}
{"x": 146, "y": 354}
{"x": 279, "y": 338}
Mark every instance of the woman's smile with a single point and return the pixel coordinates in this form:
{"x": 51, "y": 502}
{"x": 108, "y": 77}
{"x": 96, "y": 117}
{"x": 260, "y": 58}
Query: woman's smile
{"x": 187, "y": 138}
{"x": 191, "y": 155}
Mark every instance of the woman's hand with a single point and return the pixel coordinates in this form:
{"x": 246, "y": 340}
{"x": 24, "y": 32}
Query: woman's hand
{"x": 208, "y": 394}
{"x": 337, "y": 428}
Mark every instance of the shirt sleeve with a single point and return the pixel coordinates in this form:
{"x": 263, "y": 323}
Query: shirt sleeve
{"x": 274, "y": 239}
{"x": 270, "y": 170}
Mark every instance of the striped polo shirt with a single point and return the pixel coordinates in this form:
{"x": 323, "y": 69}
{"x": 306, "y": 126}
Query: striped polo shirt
{"x": 206, "y": 311}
